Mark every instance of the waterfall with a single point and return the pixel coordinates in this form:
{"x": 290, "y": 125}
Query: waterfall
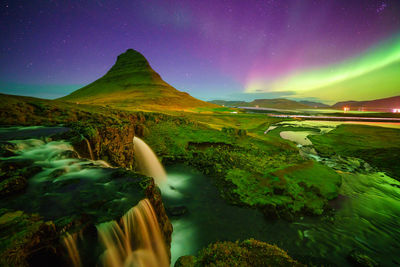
{"x": 136, "y": 241}
{"x": 148, "y": 162}
{"x": 72, "y": 249}
{"x": 89, "y": 148}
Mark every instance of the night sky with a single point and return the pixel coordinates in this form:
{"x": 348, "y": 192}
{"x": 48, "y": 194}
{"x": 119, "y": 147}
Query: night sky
{"x": 300, "y": 49}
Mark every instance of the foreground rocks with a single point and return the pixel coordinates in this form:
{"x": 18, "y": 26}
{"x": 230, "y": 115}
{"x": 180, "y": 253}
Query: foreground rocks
{"x": 249, "y": 253}
{"x": 24, "y": 238}
{"x": 43, "y": 201}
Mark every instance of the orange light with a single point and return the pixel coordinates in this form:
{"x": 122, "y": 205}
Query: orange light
{"x": 346, "y": 109}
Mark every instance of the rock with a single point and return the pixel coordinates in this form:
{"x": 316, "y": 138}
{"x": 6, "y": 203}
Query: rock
{"x": 68, "y": 154}
{"x": 112, "y": 144}
{"x": 7, "y": 149}
{"x": 13, "y": 185}
{"x": 185, "y": 261}
{"x": 11, "y": 165}
{"x": 31, "y": 171}
{"x": 177, "y": 211}
{"x": 23, "y": 237}
{"x": 247, "y": 253}
{"x": 57, "y": 173}
{"x": 358, "y": 259}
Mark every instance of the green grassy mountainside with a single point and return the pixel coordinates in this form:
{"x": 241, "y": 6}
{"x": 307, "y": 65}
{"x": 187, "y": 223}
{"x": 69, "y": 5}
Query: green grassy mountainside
{"x": 132, "y": 84}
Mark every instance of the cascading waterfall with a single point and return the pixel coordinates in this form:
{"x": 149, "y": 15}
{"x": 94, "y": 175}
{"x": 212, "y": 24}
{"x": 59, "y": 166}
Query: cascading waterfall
{"x": 136, "y": 241}
{"x": 148, "y": 162}
{"x": 89, "y": 148}
{"x": 72, "y": 249}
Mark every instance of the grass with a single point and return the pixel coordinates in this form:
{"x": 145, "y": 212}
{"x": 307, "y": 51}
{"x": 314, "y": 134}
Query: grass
{"x": 249, "y": 168}
{"x": 378, "y": 146}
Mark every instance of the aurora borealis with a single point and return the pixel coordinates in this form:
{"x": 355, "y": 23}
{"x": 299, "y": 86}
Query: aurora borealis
{"x": 351, "y": 79}
{"x": 319, "y": 50}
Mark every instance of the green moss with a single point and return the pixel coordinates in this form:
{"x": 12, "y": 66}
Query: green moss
{"x": 378, "y": 146}
{"x": 247, "y": 253}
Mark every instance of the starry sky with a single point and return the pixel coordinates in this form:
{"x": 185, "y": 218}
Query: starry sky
{"x": 213, "y": 49}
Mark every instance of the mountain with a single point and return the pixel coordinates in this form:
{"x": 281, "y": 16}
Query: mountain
{"x": 383, "y": 104}
{"x": 278, "y": 103}
{"x": 229, "y": 103}
{"x": 133, "y": 84}
{"x": 314, "y": 104}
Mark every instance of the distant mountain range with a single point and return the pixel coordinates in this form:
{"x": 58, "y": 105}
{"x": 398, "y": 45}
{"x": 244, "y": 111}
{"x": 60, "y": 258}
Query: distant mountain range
{"x": 383, "y": 104}
{"x": 278, "y": 103}
{"x": 132, "y": 83}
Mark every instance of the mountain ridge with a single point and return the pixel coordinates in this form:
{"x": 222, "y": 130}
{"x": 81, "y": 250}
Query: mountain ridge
{"x": 278, "y": 103}
{"x": 381, "y": 104}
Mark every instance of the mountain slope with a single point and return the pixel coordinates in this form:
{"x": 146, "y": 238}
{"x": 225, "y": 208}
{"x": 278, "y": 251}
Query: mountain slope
{"x": 383, "y": 104}
{"x": 132, "y": 84}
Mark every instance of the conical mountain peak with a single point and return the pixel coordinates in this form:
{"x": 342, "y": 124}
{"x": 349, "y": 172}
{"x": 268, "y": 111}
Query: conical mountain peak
{"x": 132, "y": 83}
{"x": 130, "y": 61}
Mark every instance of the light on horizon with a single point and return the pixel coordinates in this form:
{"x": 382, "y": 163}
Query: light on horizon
{"x": 345, "y": 109}
{"x": 396, "y": 110}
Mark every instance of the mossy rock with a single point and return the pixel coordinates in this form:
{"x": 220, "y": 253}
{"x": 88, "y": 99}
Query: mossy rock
{"x": 249, "y": 253}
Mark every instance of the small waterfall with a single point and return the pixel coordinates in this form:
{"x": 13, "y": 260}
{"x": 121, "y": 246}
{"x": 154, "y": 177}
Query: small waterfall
{"x": 72, "y": 248}
{"x": 136, "y": 241}
{"x": 148, "y": 162}
{"x": 89, "y": 148}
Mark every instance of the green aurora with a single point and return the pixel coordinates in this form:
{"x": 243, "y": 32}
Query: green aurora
{"x": 374, "y": 74}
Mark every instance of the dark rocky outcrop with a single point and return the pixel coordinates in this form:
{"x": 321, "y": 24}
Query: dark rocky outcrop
{"x": 23, "y": 237}
{"x": 111, "y": 144}
{"x": 249, "y": 253}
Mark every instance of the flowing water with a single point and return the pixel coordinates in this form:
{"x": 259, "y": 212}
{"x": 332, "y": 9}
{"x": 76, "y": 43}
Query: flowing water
{"x": 136, "y": 241}
{"x": 148, "y": 162}
{"x": 89, "y": 148}
{"x": 66, "y": 186}
{"x": 70, "y": 243}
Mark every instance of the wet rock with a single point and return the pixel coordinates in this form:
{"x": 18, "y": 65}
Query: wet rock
{"x": 11, "y": 165}
{"x": 31, "y": 171}
{"x": 112, "y": 144}
{"x": 13, "y": 185}
{"x": 57, "y": 173}
{"x": 358, "y": 259}
{"x": 177, "y": 211}
{"x": 7, "y": 149}
{"x": 68, "y": 154}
